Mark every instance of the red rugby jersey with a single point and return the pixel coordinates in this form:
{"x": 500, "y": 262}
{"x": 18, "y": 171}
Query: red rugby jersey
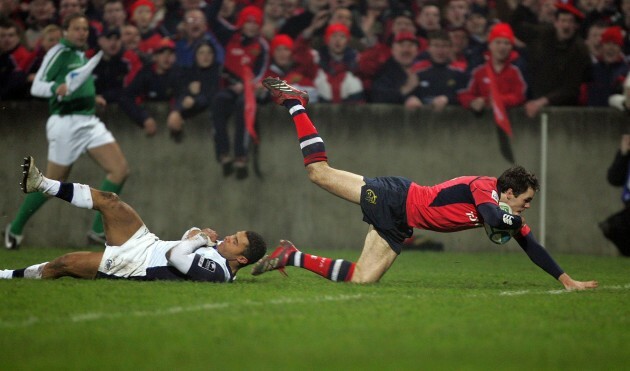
{"x": 452, "y": 205}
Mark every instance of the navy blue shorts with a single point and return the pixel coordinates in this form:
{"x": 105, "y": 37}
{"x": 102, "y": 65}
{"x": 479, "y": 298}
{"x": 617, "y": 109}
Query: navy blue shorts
{"x": 383, "y": 202}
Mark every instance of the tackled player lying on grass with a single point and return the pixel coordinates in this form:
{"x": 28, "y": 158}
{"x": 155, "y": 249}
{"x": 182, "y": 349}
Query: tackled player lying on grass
{"x": 132, "y": 251}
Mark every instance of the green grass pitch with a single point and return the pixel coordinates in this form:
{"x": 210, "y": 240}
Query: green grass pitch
{"x": 431, "y": 311}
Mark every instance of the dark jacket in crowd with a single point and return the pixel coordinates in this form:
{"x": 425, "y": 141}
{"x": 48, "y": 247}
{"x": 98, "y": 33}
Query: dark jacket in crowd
{"x": 149, "y": 86}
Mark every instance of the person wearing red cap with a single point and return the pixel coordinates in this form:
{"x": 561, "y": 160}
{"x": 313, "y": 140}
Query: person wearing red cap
{"x": 293, "y": 61}
{"x": 156, "y": 82}
{"x": 498, "y": 80}
{"x": 395, "y": 82}
{"x": 609, "y": 73}
{"x": 246, "y": 61}
{"x": 337, "y": 80}
{"x": 557, "y": 57}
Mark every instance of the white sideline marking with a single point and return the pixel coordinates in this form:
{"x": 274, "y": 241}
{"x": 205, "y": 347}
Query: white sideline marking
{"x": 558, "y": 292}
{"x": 97, "y": 316}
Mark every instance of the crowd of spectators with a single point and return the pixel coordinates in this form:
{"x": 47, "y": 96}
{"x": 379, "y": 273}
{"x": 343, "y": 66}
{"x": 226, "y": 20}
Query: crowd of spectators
{"x": 211, "y": 55}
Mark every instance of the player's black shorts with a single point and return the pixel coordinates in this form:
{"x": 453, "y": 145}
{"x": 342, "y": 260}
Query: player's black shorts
{"x": 383, "y": 202}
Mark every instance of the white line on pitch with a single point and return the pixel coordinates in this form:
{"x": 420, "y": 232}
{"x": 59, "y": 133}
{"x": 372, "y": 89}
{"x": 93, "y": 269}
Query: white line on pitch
{"x": 96, "y": 316}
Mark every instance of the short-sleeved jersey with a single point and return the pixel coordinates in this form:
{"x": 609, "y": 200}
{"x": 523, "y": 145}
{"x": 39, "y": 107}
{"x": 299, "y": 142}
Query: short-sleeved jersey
{"x": 451, "y": 206}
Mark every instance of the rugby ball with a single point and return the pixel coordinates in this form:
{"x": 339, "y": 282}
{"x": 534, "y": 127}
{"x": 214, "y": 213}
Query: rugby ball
{"x": 497, "y": 235}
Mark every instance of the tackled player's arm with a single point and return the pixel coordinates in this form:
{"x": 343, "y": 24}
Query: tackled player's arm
{"x": 180, "y": 256}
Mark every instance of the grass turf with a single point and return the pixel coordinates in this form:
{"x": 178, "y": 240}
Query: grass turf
{"x": 476, "y": 311}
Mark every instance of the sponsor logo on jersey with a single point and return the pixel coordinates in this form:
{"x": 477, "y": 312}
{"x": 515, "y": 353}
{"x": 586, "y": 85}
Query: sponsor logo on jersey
{"x": 495, "y": 195}
{"x": 471, "y": 215}
{"x": 507, "y": 219}
{"x": 370, "y": 196}
{"x": 208, "y": 264}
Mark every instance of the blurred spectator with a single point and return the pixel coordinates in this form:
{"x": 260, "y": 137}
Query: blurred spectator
{"x": 274, "y": 18}
{"x": 400, "y": 22}
{"x": 345, "y": 16}
{"x": 114, "y": 15}
{"x": 51, "y": 35}
{"x": 624, "y": 22}
{"x": 94, "y": 9}
{"x": 428, "y": 19}
{"x": 439, "y": 81}
{"x": 156, "y": 83}
{"x": 477, "y": 25}
{"x": 12, "y": 10}
{"x": 609, "y": 73}
{"x": 246, "y": 61}
{"x": 195, "y": 32}
{"x": 340, "y": 15}
{"x": 460, "y": 43}
{"x": 141, "y": 14}
{"x": 498, "y": 75}
{"x": 15, "y": 61}
{"x": 373, "y": 58}
{"x": 396, "y": 80}
{"x": 293, "y": 62}
{"x": 455, "y": 13}
{"x": 374, "y": 21}
{"x": 593, "y": 39}
{"x": 314, "y": 18}
{"x": 158, "y": 17}
{"x": 617, "y": 226}
{"x": 545, "y": 10}
{"x": 117, "y": 68}
{"x": 130, "y": 38}
{"x": 41, "y": 13}
{"x": 597, "y": 10}
{"x": 292, "y": 7}
{"x": 622, "y": 101}
{"x": 336, "y": 80}
{"x": 558, "y": 57}
{"x": 198, "y": 87}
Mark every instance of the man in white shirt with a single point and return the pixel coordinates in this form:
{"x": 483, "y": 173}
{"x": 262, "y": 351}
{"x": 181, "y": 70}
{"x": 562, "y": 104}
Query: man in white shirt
{"x": 132, "y": 251}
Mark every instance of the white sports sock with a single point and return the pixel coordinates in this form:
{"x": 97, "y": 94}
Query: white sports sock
{"x": 49, "y": 186}
{"x": 6, "y": 274}
{"x": 34, "y": 271}
{"x": 82, "y": 196}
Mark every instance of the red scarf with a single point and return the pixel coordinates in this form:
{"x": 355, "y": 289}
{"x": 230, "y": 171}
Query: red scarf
{"x": 498, "y": 107}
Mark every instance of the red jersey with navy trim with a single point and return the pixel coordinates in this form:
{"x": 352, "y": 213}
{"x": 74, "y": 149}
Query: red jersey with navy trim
{"x": 452, "y": 206}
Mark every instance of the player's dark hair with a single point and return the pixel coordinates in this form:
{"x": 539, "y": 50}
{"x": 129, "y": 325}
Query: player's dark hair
{"x": 72, "y": 17}
{"x": 256, "y": 249}
{"x": 519, "y": 179}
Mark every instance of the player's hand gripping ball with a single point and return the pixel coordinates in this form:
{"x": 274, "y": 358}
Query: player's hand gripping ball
{"x": 498, "y": 235}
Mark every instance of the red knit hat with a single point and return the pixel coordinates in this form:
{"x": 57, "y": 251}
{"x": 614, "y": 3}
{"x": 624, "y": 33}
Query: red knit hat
{"x": 334, "y": 28}
{"x": 501, "y": 30}
{"x": 140, "y": 3}
{"x": 250, "y": 13}
{"x": 281, "y": 40}
{"x": 613, "y": 35}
